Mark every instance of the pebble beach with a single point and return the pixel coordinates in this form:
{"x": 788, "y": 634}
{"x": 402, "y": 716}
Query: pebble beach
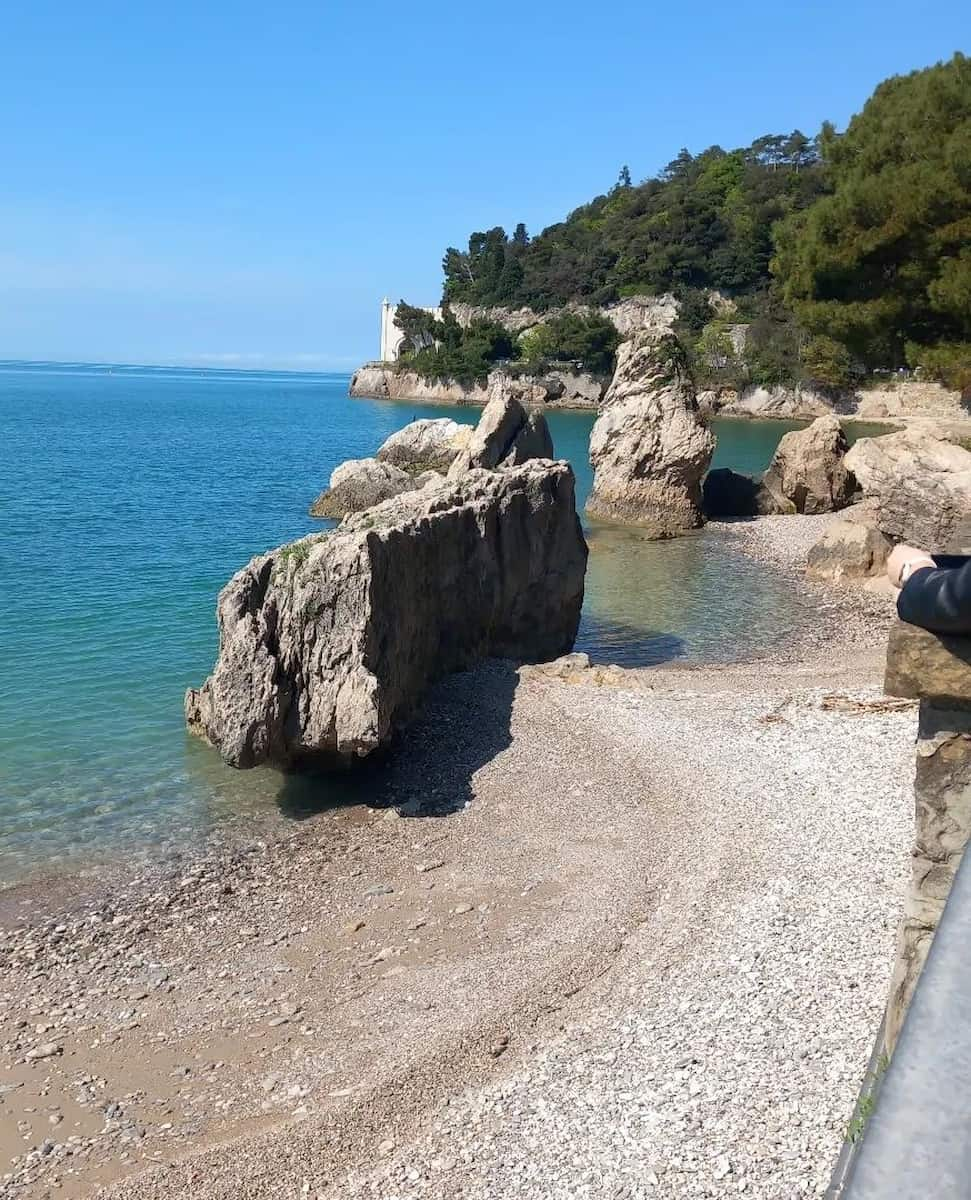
{"x": 595, "y": 935}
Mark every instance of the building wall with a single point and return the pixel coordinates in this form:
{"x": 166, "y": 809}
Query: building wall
{"x": 391, "y": 335}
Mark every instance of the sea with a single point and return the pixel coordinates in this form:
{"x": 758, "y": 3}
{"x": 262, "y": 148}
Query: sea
{"x": 129, "y": 495}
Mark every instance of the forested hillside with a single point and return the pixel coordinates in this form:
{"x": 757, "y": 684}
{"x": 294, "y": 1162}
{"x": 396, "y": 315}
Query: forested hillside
{"x": 844, "y": 252}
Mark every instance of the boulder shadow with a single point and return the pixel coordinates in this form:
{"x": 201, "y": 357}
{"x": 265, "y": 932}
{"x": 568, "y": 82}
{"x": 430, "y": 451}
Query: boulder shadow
{"x": 428, "y": 769}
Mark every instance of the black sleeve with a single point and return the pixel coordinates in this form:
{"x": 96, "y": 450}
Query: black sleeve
{"x": 938, "y": 599}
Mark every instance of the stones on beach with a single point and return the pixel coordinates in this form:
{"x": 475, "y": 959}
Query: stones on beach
{"x": 649, "y": 447}
{"x": 327, "y": 645}
{"x": 920, "y": 486}
{"x": 808, "y": 471}
{"x": 853, "y": 548}
{"x": 44, "y": 1050}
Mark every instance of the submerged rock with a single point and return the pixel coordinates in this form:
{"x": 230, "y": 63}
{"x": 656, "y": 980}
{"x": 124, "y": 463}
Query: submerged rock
{"x": 327, "y": 645}
{"x": 920, "y": 487}
{"x": 808, "y": 470}
{"x": 649, "y": 448}
{"x": 360, "y": 483}
{"x": 506, "y": 435}
{"x": 427, "y": 445}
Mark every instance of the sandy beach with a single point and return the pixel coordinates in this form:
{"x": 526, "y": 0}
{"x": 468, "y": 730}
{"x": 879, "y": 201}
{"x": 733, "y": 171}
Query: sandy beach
{"x": 592, "y": 936}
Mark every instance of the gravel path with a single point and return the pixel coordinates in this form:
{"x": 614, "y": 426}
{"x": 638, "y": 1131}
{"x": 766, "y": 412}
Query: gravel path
{"x": 613, "y": 935}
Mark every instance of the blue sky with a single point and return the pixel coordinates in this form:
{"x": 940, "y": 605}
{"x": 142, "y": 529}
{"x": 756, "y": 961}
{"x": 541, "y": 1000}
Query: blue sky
{"x": 239, "y": 184}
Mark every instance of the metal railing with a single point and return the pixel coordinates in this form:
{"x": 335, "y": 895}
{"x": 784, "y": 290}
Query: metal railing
{"x": 917, "y": 1142}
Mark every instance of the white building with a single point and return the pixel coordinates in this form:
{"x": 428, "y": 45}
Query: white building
{"x": 391, "y": 335}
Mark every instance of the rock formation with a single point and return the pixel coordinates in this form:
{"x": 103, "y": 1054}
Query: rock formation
{"x": 728, "y": 493}
{"x": 425, "y": 445}
{"x": 808, "y": 470}
{"x": 649, "y": 448}
{"x": 361, "y": 482}
{"x": 557, "y": 388}
{"x": 852, "y": 549}
{"x": 506, "y": 435}
{"x": 920, "y": 487}
{"x": 327, "y": 645}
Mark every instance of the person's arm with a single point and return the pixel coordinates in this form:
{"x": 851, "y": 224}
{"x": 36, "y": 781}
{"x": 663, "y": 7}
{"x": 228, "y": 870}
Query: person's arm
{"x": 937, "y": 598}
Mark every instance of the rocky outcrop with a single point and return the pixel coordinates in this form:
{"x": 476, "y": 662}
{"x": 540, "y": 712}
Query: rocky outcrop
{"x": 920, "y": 487}
{"x": 327, "y": 645}
{"x": 550, "y": 389}
{"x": 895, "y": 400}
{"x": 360, "y": 483}
{"x": 425, "y": 445}
{"x": 852, "y": 550}
{"x": 506, "y": 435}
{"x": 649, "y": 448}
{"x": 727, "y": 493}
{"x": 808, "y": 470}
{"x": 630, "y": 315}
{"x": 384, "y": 382}
{"x": 777, "y": 403}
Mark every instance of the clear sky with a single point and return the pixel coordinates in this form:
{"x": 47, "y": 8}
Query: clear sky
{"x": 240, "y": 184}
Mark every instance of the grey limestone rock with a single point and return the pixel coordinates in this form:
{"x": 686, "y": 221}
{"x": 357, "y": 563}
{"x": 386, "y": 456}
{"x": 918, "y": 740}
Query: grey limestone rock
{"x": 360, "y": 483}
{"x": 808, "y": 470}
{"x": 649, "y": 447}
{"x": 327, "y": 645}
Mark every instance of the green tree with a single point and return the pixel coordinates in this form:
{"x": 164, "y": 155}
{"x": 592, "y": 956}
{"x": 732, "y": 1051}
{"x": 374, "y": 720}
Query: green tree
{"x": 826, "y": 362}
{"x": 883, "y": 262}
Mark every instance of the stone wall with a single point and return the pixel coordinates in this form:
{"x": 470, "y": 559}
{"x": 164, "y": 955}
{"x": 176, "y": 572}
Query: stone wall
{"x": 937, "y": 670}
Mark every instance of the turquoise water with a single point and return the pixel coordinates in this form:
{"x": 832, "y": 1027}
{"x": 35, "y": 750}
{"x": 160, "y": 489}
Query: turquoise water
{"x": 129, "y": 496}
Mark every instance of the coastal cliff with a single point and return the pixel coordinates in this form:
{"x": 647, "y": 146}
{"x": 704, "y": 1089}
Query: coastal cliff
{"x": 551, "y": 389}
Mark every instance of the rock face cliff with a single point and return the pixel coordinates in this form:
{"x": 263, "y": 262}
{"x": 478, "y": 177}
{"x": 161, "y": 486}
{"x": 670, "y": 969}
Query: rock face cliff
{"x": 649, "y": 448}
{"x": 551, "y": 389}
{"x": 327, "y": 645}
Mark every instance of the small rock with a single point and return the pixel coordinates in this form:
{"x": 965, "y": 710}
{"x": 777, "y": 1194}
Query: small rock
{"x": 462, "y": 908}
{"x": 386, "y": 1147}
{"x": 500, "y": 1045}
{"x": 44, "y": 1050}
{"x": 379, "y": 889}
{"x": 434, "y": 865}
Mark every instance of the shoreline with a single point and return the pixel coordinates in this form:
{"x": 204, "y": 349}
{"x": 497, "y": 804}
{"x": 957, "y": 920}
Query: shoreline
{"x": 303, "y": 1005}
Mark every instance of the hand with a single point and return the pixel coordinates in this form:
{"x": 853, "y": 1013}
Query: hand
{"x": 900, "y": 556}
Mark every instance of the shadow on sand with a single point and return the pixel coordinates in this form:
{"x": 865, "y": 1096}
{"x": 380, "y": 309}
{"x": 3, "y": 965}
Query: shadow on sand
{"x": 429, "y": 767}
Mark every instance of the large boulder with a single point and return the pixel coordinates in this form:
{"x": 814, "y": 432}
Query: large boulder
{"x": 727, "y": 493}
{"x": 920, "y": 486}
{"x": 649, "y": 448}
{"x": 427, "y": 445}
{"x": 852, "y": 549}
{"x": 506, "y": 435}
{"x": 327, "y": 645}
{"x": 809, "y": 470}
{"x": 360, "y": 483}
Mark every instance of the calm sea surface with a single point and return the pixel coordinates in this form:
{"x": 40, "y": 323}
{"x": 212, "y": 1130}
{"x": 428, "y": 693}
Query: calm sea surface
{"x": 128, "y": 497}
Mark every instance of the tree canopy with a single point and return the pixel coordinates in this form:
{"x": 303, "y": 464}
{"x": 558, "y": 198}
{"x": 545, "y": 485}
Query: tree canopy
{"x": 704, "y": 222}
{"x": 882, "y": 264}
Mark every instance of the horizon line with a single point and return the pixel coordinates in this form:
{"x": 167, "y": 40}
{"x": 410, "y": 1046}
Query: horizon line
{"x": 172, "y": 366}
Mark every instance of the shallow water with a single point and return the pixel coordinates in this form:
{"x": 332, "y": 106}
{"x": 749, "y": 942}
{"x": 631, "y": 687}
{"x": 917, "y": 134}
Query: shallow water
{"x": 127, "y": 498}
